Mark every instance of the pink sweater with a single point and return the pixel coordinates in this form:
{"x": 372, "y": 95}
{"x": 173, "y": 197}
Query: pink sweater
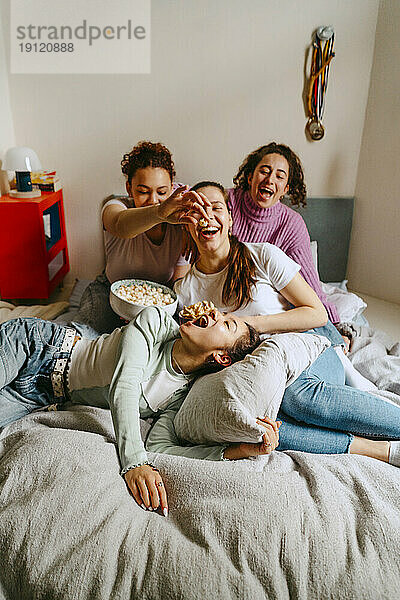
{"x": 282, "y": 226}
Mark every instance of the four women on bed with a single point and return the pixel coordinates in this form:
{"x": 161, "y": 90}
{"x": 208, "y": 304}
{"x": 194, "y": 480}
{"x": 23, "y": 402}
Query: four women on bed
{"x": 145, "y": 368}
{"x": 260, "y": 283}
{"x": 141, "y": 236}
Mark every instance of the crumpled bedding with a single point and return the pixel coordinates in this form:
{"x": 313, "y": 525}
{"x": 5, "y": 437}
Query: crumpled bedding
{"x": 377, "y": 356}
{"x": 292, "y": 525}
{"x": 41, "y": 311}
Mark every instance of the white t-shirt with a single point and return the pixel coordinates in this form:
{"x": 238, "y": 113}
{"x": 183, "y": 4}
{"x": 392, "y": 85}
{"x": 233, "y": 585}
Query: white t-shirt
{"x": 274, "y": 271}
{"x": 139, "y": 257}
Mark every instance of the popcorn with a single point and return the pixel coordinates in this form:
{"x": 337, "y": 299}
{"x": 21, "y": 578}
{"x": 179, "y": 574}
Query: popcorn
{"x": 203, "y": 222}
{"x": 194, "y": 311}
{"x": 144, "y": 294}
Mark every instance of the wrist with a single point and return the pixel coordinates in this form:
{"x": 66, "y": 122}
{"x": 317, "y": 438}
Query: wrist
{"x": 131, "y": 466}
{"x": 259, "y": 322}
{"x": 157, "y": 212}
{"x": 251, "y": 320}
{"x": 232, "y": 452}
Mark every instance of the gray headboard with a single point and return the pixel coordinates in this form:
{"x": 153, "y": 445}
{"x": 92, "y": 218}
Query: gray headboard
{"x": 329, "y": 222}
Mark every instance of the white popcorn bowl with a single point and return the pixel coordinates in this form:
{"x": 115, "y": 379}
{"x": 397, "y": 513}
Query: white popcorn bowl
{"x": 128, "y": 310}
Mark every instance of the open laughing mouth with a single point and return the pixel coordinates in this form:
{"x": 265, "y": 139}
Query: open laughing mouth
{"x": 201, "y": 321}
{"x": 208, "y": 231}
{"x": 265, "y": 193}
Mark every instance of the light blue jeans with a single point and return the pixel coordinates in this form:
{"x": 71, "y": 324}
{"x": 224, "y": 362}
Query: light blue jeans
{"x": 330, "y": 332}
{"x": 320, "y": 413}
{"x": 28, "y": 351}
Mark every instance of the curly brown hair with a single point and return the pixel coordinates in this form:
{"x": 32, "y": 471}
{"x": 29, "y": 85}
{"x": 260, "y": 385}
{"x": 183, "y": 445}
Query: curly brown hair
{"x": 297, "y": 189}
{"x": 147, "y": 154}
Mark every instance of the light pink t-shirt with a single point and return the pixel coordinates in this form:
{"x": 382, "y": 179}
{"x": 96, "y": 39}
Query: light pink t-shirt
{"x": 139, "y": 257}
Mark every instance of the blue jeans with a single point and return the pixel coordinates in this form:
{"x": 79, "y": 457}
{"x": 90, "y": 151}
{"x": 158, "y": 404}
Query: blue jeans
{"x": 319, "y": 412}
{"x": 28, "y": 351}
{"x": 330, "y": 332}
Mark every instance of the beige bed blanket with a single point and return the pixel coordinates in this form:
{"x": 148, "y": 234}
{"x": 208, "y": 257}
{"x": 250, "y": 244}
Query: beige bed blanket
{"x": 292, "y": 525}
{"x": 49, "y": 311}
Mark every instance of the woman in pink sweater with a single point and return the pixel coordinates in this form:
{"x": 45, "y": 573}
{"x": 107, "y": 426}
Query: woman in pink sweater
{"x": 263, "y": 179}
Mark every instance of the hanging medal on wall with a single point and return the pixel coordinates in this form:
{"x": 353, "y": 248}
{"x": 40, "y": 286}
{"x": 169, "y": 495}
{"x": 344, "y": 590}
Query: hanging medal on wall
{"x": 322, "y": 54}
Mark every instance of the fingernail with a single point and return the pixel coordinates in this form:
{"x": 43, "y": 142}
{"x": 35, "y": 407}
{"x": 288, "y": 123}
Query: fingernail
{"x": 150, "y": 508}
{"x": 165, "y": 512}
{"x": 143, "y": 506}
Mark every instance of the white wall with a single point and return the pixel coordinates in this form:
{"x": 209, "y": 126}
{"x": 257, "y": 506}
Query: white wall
{"x": 7, "y": 135}
{"x": 227, "y": 76}
{"x": 374, "y": 263}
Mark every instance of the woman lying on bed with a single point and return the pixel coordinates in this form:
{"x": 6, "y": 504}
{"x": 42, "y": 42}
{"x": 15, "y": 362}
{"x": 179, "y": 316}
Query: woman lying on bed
{"x": 137, "y": 370}
{"x": 140, "y": 234}
{"x": 260, "y": 283}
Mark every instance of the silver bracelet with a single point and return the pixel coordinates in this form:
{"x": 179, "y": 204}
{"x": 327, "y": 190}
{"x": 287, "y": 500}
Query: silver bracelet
{"x": 146, "y": 462}
{"x": 222, "y": 457}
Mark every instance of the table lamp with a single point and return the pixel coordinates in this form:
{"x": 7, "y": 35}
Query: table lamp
{"x": 23, "y": 161}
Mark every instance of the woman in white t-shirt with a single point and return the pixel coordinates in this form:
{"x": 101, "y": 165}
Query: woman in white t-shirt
{"x": 319, "y": 412}
{"x": 141, "y": 236}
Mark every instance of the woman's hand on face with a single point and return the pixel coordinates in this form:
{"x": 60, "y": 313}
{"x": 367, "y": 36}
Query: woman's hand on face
{"x": 147, "y": 487}
{"x": 168, "y": 208}
{"x": 202, "y": 208}
{"x": 270, "y": 440}
{"x": 183, "y": 207}
{"x": 197, "y": 207}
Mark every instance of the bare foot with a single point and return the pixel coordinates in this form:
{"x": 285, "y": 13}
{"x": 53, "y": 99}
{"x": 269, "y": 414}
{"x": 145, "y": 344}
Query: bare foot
{"x": 372, "y": 448}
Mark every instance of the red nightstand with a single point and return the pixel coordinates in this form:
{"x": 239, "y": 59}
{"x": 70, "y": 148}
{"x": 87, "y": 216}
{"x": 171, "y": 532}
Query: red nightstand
{"x": 33, "y": 245}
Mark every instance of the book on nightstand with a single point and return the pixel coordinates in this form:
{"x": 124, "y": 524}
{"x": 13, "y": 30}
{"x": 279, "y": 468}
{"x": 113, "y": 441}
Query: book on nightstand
{"x": 46, "y": 181}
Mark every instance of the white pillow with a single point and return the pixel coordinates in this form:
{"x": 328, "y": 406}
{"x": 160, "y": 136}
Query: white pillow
{"x": 223, "y": 406}
{"x": 349, "y": 305}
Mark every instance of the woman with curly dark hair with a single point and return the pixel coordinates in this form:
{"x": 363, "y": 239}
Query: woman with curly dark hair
{"x": 141, "y": 238}
{"x": 263, "y": 179}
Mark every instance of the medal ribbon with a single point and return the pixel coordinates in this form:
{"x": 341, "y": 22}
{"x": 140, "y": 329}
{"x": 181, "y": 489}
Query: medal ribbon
{"x": 322, "y": 55}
